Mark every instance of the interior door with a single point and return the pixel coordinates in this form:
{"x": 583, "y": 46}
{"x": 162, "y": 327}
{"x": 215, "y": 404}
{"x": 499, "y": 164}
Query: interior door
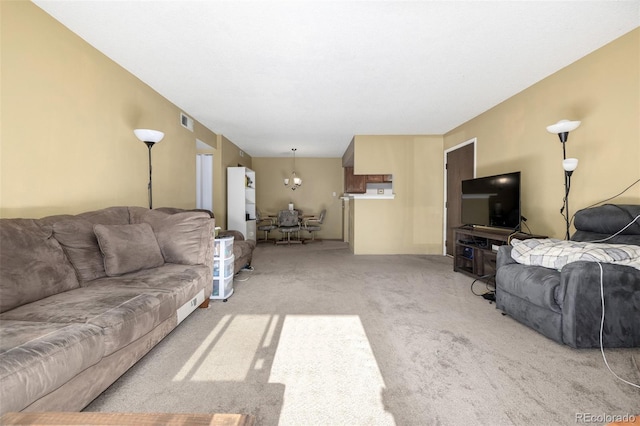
{"x": 204, "y": 181}
{"x": 459, "y": 166}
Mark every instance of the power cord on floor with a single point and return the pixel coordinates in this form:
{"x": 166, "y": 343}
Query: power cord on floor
{"x": 602, "y": 329}
{"x": 490, "y": 294}
{"x": 246, "y": 268}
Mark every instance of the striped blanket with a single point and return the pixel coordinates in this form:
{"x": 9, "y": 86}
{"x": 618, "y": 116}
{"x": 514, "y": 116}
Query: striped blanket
{"x": 554, "y": 254}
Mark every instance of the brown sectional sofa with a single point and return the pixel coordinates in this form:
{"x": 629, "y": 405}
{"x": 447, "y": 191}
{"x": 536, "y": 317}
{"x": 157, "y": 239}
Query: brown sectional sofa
{"x": 83, "y": 298}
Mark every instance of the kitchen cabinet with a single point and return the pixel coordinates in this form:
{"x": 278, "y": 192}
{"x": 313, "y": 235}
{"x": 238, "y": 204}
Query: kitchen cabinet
{"x": 354, "y": 184}
{"x": 357, "y": 184}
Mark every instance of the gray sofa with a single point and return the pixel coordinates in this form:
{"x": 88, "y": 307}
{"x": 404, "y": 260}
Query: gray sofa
{"x": 565, "y": 305}
{"x": 83, "y": 297}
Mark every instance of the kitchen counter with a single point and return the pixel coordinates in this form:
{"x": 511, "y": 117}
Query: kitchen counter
{"x": 371, "y": 196}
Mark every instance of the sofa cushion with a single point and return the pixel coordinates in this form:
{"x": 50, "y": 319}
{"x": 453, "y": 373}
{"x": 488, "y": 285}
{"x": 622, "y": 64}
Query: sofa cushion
{"x": 182, "y": 282}
{"x": 182, "y": 237}
{"x": 32, "y": 263}
{"x": 38, "y": 357}
{"x": 107, "y": 216}
{"x": 128, "y": 248}
{"x": 535, "y": 284}
{"x": 81, "y": 247}
{"x": 123, "y": 314}
{"x": 609, "y": 219}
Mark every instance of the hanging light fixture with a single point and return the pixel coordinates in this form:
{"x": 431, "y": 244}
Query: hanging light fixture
{"x": 293, "y": 182}
{"x": 562, "y": 129}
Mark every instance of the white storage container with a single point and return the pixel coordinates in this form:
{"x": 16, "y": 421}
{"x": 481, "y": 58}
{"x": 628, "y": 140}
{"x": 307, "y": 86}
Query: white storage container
{"x": 222, "y": 269}
{"x": 222, "y": 289}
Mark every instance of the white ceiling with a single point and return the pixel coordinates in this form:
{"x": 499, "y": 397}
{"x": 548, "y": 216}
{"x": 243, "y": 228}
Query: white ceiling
{"x": 273, "y": 75}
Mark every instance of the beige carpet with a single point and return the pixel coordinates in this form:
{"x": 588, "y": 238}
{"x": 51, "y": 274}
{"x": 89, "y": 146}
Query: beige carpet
{"x": 317, "y": 336}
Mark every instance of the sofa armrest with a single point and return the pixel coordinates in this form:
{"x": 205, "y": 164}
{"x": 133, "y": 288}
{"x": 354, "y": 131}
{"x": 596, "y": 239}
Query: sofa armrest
{"x": 237, "y": 235}
{"x": 504, "y": 256}
{"x": 579, "y": 296}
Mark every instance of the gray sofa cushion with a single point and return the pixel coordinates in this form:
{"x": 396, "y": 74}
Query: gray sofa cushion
{"x": 128, "y": 248}
{"x": 180, "y": 236}
{"x": 38, "y": 357}
{"x": 81, "y": 247}
{"x": 180, "y": 281}
{"x": 609, "y": 219}
{"x": 108, "y": 216}
{"x": 32, "y": 264}
{"x": 123, "y": 314}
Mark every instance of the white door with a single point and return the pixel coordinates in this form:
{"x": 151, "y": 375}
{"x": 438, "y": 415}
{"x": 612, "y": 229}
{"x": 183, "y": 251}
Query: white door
{"x": 204, "y": 181}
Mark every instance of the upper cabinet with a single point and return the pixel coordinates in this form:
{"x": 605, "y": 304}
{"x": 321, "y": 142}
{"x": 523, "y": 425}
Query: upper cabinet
{"x": 354, "y": 184}
{"x": 379, "y": 178}
{"x": 357, "y": 184}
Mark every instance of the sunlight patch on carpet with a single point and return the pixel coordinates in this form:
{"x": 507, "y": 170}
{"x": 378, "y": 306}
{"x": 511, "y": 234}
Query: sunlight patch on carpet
{"x": 222, "y": 356}
{"x": 329, "y": 372}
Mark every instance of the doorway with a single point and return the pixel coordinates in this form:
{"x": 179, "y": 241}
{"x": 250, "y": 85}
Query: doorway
{"x": 459, "y": 165}
{"x": 204, "y": 181}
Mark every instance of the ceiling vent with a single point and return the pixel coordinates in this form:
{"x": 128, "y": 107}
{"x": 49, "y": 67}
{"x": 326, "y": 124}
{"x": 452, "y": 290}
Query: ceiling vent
{"x": 186, "y": 121}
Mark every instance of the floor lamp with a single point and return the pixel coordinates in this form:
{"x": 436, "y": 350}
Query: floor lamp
{"x": 562, "y": 129}
{"x": 150, "y": 138}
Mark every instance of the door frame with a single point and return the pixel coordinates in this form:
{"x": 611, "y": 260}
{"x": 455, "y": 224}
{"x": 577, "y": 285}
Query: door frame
{"x": 473, "y": 141}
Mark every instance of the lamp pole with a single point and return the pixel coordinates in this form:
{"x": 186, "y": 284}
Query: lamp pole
{"x": 150, "y": 145}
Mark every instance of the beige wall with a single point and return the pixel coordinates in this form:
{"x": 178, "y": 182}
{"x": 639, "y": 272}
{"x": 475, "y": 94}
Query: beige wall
{"x": 603, "y": 91}
{"x": 321, "y": 178}
{"x": 412, "y": 222}
{"x": 67, "y": 143}
{"x": 68, "y": 114}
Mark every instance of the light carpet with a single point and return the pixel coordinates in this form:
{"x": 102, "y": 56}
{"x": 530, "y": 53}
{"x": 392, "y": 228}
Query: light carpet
{"x": 318, "y": 336}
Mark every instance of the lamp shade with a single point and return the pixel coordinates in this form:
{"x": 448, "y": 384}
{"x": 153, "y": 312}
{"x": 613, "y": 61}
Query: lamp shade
{"x": 148, "y": 135}
{"x": 563, "y": 126}
{"x": 570, "y": 164}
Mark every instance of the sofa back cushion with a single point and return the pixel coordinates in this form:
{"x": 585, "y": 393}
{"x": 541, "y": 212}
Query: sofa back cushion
{"x": 107, "y": 216}
{"x": 128, "y": 248}
{"x": 183, "y": 237}
{"x": 81, "y": 247}
{"x": 32, "y": 263}
{"x": 598, "y": 223}
{"x": 75, "y": 234}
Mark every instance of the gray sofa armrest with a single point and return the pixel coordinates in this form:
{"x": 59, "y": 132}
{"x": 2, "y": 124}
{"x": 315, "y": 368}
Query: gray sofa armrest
{"x": 579, "y": 295}
{"x": 237, "y": 235}
{"x": 504, "y": 256}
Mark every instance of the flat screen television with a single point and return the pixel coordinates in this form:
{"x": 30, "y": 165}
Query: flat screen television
{"x": 492, "y": 201}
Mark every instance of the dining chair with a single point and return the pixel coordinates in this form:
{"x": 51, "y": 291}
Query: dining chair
{"x": 289, "y": 223}
{"x": 314, "y": 224}
{"x": 266, "y": 224}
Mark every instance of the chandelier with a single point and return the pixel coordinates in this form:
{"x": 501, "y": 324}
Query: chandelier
{"x": 293, "y": 182}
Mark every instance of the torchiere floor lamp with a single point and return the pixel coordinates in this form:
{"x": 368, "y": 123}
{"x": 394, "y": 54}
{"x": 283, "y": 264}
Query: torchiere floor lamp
{"x": 150, "y": 138}
{"x": 562, "y": 129}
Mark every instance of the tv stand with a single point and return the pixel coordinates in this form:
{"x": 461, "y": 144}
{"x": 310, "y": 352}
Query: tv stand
{"x": 475, "y": 248}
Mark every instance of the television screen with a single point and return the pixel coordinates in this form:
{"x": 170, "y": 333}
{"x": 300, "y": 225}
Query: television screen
{"x": 492, "y": 201}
